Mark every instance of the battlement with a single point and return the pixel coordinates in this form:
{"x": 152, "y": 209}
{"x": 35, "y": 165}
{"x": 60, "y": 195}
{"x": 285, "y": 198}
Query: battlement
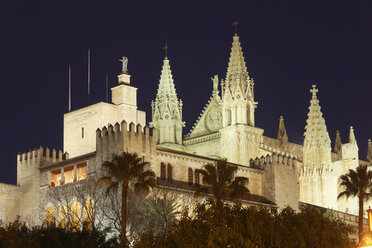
{"x": 41, "y": 156}
{"x": 123, "y": 137}
{"x": 275, "y": 159}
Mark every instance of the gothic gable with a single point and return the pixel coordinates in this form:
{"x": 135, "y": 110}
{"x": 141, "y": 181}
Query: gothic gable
{"x": 209, "y": 121}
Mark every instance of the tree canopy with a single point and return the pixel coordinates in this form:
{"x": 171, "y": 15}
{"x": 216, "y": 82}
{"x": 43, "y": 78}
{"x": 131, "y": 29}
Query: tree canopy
{"x": 236, "y": 226}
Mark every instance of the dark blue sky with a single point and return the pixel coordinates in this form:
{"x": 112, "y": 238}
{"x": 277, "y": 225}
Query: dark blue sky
{"x": 288, "y": 46}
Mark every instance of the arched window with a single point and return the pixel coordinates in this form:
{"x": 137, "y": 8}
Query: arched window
{"x": 62, "y": 216}
{"x": 162, "y": 171}
{"x": 170, "y": 172}
{"x": 190, "y": 175}
{"x": 88, "y": 214}
{"x": 50, "y": 217}
{"x": 197, "y": 179}
{"x": 75, "y": 215}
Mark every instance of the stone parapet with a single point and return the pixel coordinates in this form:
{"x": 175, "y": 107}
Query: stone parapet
{"x": 118, "y": 138}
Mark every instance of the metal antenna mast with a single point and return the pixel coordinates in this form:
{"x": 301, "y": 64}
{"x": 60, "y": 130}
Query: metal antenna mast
{"x": 107, "y": 88}
{"x": 88, "y": 75}
{"x": 69, "y": 87}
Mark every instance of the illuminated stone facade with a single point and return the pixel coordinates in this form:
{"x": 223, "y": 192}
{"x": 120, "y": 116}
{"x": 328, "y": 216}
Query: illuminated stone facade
{"x": 281, "y": 173}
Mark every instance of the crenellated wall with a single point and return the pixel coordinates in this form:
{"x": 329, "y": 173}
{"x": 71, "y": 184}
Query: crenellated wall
{"x": 28, "y": 179}
{"x": 280, "y": 184}
{"x": 123, "y": 137}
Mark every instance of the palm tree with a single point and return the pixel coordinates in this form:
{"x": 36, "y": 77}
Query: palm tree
{"x": 220, "y": 176}
{"x": 158, "y": 212}
{"x": 357, "y": 183}
{"x": 126, "y": 169}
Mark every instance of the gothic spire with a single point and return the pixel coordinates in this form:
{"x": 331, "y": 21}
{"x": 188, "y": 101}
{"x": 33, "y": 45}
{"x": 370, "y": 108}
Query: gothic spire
{"x": 282, "y": 132}
{"x": 237, "y": 90}
{"x": 237, "y": 73}
{"x": 338, "y": 143}
{"x": 166, "y": 88}
{"x": 369, "y": 151}
{"x": 317, "y": 144}
{"x": 167, "y": 109}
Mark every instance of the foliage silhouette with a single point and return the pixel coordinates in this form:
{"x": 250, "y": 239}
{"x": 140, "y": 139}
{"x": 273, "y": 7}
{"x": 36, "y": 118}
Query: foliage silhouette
{"x": 220, "y": 177}
{"x": 357, "y": 183}
{"x": 236, "y": 226}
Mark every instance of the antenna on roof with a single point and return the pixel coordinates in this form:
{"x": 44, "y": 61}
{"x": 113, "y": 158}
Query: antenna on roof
{"x": 88, "y": 75}
{"x": 69, "y": 87}
{"x": 107, "y": 88}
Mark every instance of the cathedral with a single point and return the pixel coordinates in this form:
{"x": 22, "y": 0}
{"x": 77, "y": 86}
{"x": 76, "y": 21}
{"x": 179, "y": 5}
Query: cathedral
{"x": 280, "y": 173}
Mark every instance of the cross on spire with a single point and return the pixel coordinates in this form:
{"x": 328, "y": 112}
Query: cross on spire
{"x": 314, "y": 90}
{"x": 166, "y": 49}
{"x": 235, "y": 23}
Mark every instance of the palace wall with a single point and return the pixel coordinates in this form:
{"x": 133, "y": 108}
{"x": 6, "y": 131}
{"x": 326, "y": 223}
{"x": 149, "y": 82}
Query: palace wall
{"x": 10, "y": 197}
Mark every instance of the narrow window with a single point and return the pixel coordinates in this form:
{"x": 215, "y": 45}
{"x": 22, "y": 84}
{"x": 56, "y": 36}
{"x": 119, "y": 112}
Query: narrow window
{"x": 82, "y": 132}
{"x": 170, "y": 173}
{"x": 190, "y": 176}
{"x": 162, "y": 171}
{"x": 197, "y": 180}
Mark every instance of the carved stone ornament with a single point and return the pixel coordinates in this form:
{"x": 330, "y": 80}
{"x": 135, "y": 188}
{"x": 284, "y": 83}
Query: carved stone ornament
{"x": 213, "y": 120}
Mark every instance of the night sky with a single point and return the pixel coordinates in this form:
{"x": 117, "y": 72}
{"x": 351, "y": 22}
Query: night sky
{"x": 288, "y": 46}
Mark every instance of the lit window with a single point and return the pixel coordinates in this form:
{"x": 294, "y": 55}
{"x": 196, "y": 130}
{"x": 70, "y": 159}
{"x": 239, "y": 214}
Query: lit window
{"x": 68, "y": 174}
{"x": 81, "y": 171}
{"x": 62, "y": 216}
{"x": 55, "y": 177}
{"x": 50, "y": 217}
{"x": 75, "y": 214}
{"x": 88, "y": 214}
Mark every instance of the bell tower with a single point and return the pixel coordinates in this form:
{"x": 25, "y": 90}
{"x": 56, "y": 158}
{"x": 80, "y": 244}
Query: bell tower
{"x": 240, "y": 139}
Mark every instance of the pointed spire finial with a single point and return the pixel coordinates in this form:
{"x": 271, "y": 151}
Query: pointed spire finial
{"x": 166, "y": 49}
{"x": 282, "y": 132}
{"x": 235, "y": 23}
{"x": 338, "y": 142}
{"x": 352, "y": 139}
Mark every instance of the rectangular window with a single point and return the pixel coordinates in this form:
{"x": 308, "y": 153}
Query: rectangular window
{"x": 82, "y": 132}
{"x": 55, "y": 177}
{"x": 68, "y": 174}
{"x": 170, "y": 173}
{"x": 81, "y": 171}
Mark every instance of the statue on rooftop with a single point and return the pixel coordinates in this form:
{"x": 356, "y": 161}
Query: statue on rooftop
{"x": 124, "y": 60}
